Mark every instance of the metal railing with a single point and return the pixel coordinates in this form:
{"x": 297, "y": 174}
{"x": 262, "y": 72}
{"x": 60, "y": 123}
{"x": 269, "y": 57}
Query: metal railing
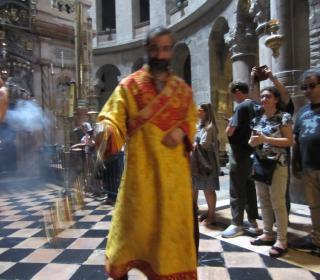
{"x": 112, "y": 173}
{"x": 52, "y": 168}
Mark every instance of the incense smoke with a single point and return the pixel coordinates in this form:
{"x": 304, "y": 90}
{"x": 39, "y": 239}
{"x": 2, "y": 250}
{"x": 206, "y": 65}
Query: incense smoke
{"x": 28, "y": 116}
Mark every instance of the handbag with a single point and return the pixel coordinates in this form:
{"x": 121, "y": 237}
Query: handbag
{"x": 263, "y": 169}
{"x": 200, "y": 164}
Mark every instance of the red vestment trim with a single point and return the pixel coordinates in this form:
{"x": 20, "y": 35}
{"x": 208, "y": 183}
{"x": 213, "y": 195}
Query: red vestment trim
{"x": 121, "y": 270}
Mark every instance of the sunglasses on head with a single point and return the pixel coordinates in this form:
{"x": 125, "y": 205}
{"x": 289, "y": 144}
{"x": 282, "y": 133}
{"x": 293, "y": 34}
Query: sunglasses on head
{"x": 308, "y": 86}
{"x": 266, "y": 95}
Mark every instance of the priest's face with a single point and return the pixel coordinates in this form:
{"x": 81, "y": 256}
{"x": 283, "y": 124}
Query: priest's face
{"x": 160, "y": 53}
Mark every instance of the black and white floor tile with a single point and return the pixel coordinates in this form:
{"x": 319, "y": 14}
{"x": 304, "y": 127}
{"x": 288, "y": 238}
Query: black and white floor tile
{"x": 78, "y": 251}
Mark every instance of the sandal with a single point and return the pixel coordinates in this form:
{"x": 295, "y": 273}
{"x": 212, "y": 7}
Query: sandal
{"x": 279, "y": 252}
{"x": 203, "y": 217}
{"x": 207, "y": 222}
{"x": 261, "y": 242}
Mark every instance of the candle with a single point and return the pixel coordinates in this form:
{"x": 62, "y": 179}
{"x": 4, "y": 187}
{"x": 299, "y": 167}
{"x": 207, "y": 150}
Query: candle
{"x": 62, "y": 59}
{"x": 71, "y": 100}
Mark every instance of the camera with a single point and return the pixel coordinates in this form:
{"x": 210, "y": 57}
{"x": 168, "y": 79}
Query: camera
{"x": 260, "y": 73}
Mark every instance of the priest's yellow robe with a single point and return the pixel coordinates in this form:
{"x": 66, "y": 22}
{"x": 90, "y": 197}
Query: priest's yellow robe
{"x": 152, "y": 226}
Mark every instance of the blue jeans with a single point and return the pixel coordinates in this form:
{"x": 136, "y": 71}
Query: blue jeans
{"x": 311, "y": 184}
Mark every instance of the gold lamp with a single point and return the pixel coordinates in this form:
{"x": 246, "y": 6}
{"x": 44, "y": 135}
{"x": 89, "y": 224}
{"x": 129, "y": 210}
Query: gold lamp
{"x": 274, "y": 41}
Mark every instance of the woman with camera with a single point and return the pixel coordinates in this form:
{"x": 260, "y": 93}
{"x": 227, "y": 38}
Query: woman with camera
{"x": 272, "y": 134}
{"x": 205, "y": 162}
{"x": 263, "y": 73}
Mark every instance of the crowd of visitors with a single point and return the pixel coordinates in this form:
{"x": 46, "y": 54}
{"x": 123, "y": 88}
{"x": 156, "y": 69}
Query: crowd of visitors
{"x": 260, "y": 135}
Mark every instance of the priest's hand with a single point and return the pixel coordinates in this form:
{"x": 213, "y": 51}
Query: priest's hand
{"x": 173, "y": 137}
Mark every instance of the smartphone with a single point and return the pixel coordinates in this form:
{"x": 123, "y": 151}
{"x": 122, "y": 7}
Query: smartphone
{"x": 262, "y": 68}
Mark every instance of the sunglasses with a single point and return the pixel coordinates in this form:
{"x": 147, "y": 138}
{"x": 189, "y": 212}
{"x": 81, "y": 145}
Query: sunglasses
{"x": 308, "y": 86}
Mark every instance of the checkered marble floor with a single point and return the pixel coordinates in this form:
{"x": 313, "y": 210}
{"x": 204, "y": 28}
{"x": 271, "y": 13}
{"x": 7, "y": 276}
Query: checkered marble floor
{"x": 78, "y": 251}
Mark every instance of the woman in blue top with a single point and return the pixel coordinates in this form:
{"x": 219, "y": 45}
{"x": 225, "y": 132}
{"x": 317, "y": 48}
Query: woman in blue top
{"x": 272, "y": 134}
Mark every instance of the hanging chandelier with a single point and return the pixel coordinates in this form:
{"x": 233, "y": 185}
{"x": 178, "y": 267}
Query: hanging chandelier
{"x": 274, "y": 40}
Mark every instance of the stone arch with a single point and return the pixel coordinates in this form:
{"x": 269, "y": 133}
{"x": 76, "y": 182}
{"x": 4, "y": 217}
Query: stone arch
{"x": 107, "y": 78}
{"x": 137, "y": 64}
{"x": 220, "y": 77}
{"x": 181, "y": 62}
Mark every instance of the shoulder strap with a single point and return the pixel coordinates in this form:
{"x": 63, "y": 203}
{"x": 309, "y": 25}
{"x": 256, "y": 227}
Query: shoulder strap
{"x": 253, "y": 111}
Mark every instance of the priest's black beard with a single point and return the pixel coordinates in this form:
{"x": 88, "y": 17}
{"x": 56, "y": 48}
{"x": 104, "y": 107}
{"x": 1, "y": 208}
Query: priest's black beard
{"x": 158, "y": 65}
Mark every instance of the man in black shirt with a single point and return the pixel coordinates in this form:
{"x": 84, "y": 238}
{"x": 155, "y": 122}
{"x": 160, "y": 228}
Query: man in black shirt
{"x": 306, "y": 155}
{"x": 242, "y": 189}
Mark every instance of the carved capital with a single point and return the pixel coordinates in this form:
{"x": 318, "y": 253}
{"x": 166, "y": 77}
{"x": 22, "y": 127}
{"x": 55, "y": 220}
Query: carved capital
{"x": 260, "y": 12}
{"x": 241, "y": 41}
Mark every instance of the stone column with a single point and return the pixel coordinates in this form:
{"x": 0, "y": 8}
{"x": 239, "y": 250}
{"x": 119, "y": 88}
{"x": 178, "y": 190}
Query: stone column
{"x": 124, "y": 22}
{"x": 314, "y": 26}
{"x": 46, "y": 96}
{"x": 261, "y": 15}
{"x": 284, "y": 65}
{"x": 46, "y": 80}
{"x": 200, "y": 71}
{"x": 286, "y": 68}
{"x": 158, "y": 13}
{"x": 241, "y": 41}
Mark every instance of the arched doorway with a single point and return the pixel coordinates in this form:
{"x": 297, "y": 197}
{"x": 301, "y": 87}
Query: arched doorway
{"x": 107, "y": 79}
{"x": 181, "y": 62}
{"x": 220, "y": 77}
